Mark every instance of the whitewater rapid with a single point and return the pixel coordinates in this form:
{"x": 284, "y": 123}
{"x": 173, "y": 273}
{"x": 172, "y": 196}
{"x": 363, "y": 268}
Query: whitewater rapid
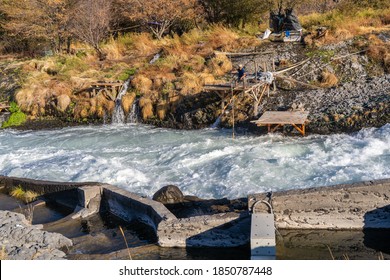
{"x": 206, "y": 163}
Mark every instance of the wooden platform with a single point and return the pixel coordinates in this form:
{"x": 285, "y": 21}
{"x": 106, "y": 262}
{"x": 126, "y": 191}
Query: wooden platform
{"x": 297, "y": 119}
{"x": 241, "y": 86}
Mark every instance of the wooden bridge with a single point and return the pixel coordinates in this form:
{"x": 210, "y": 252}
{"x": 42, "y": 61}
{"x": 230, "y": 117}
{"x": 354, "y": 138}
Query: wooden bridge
{"x": 109, "y": 90}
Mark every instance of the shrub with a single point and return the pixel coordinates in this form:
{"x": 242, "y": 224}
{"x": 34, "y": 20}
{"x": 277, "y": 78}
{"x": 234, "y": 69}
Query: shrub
{"x": 25, "y": 196}
{"x": 328, "y": 79}
{"x": 17, "y": 117}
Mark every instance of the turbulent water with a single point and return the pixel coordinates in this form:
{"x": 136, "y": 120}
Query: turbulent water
{"x": 205, "y": 163}
{"x": 118, "y": 115}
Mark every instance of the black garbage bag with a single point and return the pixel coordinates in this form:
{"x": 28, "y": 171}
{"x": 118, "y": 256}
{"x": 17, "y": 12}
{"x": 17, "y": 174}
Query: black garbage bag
{"x": 291, "y": 21}
{"x": 279, "y": 22}
{"x": 276, "y": 22}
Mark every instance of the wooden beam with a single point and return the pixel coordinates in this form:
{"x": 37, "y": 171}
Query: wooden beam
{"x": 300, "y": 129}
{"x": 243, "y": 54}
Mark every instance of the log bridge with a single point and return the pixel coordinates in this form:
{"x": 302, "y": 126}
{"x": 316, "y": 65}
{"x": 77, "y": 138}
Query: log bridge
{"x": 109, "y": 90}
{"x": 297, "y": 119}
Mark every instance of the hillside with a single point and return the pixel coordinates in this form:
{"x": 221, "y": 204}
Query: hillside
{"x": 350, "y": 61}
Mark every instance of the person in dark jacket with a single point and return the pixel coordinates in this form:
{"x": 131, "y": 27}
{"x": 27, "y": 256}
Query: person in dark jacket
{"x": 241, "y": 74}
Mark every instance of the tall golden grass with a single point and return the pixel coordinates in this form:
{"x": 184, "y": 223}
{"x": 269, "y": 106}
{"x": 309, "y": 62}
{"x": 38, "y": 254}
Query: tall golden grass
{"x": 191, "y": 84}
{"x": 3, "y": 254}
{"x": 344, "y": 25}
{"x": 146, "y": 106}
{"x": 161, "y": 109}
{"x": 220, "y": 65}
{"x": 127, "y": 102}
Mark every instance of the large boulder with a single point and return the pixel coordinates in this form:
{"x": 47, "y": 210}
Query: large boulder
{"x": 169, "y": 195}
{"x": 63, "y": 102}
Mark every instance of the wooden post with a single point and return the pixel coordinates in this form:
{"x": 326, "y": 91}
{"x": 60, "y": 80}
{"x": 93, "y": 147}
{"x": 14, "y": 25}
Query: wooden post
{"x": 255, "y": 70}
{"x": 273, "y": 69}
{"x": 233, "y": 112}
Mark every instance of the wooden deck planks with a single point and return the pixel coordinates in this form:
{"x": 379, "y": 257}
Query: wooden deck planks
{"x": 297, "y": 119}
{"x": 238, "y": 86}
{"x": 282, "y": 117}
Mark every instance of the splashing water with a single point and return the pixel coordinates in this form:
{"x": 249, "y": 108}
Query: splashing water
{"x": 118, "y": 116}
{"x": 216, "y": 123}
{"x": 206, "y": 163}
{"x": 133, "y": 116}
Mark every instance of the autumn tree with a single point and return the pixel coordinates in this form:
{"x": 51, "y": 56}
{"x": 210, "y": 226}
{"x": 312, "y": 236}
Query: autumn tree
{"x": 160, "y": 15}
{"x": 91, "y": 22}
{"x": 42, "y": 20}
{"x": 234, "y": 12}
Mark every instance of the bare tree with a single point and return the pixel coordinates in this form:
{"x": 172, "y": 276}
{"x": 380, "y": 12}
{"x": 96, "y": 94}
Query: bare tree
{"x": 44, "y": 20}
{"x": 91, "y": 22}
{"x": 160, "y": 15}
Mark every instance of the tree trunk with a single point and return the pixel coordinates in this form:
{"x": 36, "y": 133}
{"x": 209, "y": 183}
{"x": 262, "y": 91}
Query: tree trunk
{"x": 102, "y": 56}
{"x": 68, "y": 43}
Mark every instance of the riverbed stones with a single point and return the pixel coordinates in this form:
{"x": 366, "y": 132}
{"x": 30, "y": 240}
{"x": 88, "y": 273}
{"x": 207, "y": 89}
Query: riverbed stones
{"x": 169, "y": 195}
{"x": 23, "y": 241}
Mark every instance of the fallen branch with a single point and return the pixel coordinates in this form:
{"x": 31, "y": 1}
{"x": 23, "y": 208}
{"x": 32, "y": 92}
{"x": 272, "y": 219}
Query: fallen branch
{"x": 296, "y": 81}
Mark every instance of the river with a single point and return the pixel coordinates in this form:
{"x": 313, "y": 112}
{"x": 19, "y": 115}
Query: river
{"x": 207, "y": 163}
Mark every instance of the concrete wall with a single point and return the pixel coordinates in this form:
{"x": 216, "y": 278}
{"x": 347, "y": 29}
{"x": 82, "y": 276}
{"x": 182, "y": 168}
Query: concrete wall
{"x": 346, "y": 206}
{"x": 129, "y": 206}
{"x": 219, "y": 230}
{"x": 350, "y": 206}
{"x": 40, "y": 186}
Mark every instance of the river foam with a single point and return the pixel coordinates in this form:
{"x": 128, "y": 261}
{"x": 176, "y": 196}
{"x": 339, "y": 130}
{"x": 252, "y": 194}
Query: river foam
{"x": 206, "y": 163}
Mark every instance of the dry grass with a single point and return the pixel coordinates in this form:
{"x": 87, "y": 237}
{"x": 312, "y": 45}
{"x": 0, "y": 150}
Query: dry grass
{"x": 161, "y": 110}
{"x": 176, "y": 47}
{"x": 191, "y": 84}
{"x": 379, "y": 51}
{"x": 344, "y": 25}
{"x": 3, "y": 254}
{"x": 25, "y": 196}
{"x": 143, "y": 45}
{"x": 142, "y": 83}
{"x": 207, "y": 78}
{"x": 114, "y": 49}
{"x": 146, "y": 106}
{"x": 169, "y": 62}
{"x": 328, "y": 79}
{"x": 127, "y": 102}
{"x": 220, "y": 37}
{"x": 193, "y": 37}
{"x": 386, "y": 61}
{"x": 220, "y": 65}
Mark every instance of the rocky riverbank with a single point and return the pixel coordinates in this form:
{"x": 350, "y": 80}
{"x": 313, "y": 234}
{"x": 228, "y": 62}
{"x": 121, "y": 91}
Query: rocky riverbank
{"x": 350, "y": 107}
{"x": 357, "y": 96}
{"x": 22, "y": 241}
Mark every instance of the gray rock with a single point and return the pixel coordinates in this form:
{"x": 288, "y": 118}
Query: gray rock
{"x": 169, "y": 195}
{"x": 23, "y": 241}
